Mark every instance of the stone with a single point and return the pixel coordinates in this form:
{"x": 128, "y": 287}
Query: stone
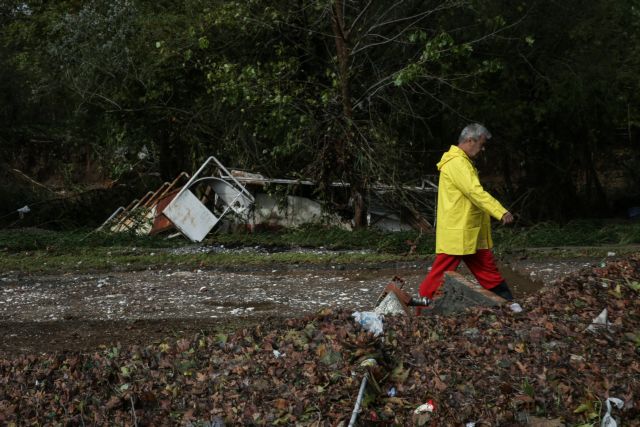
{"x": 459, "y": 293}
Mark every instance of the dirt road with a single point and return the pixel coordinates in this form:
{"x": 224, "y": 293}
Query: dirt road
{"x": 81, "y": 311}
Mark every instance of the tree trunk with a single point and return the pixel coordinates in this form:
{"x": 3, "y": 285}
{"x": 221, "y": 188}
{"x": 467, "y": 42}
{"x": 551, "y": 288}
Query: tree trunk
{"x": 345, "y": 144}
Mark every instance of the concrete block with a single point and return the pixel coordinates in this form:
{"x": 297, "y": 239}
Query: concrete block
{"x": 393, "y": 299}
{"x": 391, "y": 305}
{"x": 459, "y": 293}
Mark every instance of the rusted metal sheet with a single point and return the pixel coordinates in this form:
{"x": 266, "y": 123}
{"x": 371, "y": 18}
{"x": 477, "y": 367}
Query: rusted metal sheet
{"x": 190, "y": 216}
{"x": 161, "y": 223}
{"x": 140, "y": 215}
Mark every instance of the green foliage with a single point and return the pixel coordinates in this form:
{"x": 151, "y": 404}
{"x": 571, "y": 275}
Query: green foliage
{"x": 32, "y": 239}
{"x": 260, "y": 85}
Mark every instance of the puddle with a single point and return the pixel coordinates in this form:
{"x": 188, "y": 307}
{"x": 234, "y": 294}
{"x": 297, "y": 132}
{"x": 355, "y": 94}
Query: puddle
{"x": 521, "y": 284}
{"x": 255, "y": 305}
{"x": 526, "y": 277}
{"x": 222, "y": 249}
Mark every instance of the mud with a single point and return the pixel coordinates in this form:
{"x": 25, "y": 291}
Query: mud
{"x": 84, "y": 311}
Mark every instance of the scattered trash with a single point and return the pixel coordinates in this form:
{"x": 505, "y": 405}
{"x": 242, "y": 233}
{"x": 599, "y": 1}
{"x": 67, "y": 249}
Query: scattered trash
{"x": 192, "y": 217}
{"x": 391, "y": 305}
{"x": 203, "y": 289}
{"x": 370, "y": 321}
{"x": 277, "y": 354}
{"x": 576, "y": 358}
{"x": 426, "y": 407}
{"x": 515, "y": 307}
{"x": 23, "y": 210}
{"x": 143, "y": 153}
{"x": 196, "y": 207}
{"x": 470, "y": 424}
{"x": 423, "y": 414}
{"x": 183, "y": 207}
{"x": 607, "y": 420}
{"x": 611, "y": 254}
{"x": 369, "y": 363}
{"x": 392, "y": 392}
{"x": 143, "y": 216}
{"x": 356, "y": 408}
{"x": 599, "y": 322}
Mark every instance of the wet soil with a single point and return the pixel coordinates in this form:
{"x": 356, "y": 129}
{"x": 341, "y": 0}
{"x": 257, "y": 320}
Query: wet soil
{"x": 83, "y": 311}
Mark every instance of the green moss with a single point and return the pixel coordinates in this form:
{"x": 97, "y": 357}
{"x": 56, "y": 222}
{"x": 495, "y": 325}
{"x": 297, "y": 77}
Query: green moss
{"x": 99, "y": 259}
{"x": 575, "y": 233}
{"x": 45, "y": 251}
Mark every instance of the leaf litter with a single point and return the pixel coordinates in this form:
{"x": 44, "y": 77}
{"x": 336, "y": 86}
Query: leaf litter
{"x": 485, "y": 367}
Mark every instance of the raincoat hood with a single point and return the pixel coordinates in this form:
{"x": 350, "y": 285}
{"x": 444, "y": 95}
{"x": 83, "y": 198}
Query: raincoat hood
{"x": 454, "y": 151}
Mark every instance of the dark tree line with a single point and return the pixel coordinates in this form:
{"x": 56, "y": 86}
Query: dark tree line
{"x": 360, "y": 91}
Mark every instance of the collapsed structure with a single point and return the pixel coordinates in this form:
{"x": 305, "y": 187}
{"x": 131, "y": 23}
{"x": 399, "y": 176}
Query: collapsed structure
{"x": 196, "y": 204}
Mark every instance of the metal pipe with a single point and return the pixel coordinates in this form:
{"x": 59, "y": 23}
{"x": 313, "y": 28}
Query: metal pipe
{"x": 120, "y": 209}
{"x": 156, "y": 196}
{"x": 356, "y": 409}
{"x": 173, "y": 184}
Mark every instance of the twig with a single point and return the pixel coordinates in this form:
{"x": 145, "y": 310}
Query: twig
{"x": 133, "y": 412}
{"x": 31, "y": 180}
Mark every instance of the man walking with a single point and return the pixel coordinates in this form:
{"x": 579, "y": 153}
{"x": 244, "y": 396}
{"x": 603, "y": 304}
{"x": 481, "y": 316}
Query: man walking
{"x": 463, "y": 224}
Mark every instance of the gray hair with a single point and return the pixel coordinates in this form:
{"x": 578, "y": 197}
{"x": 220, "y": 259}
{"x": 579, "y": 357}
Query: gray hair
{"x": 473, "y": 131}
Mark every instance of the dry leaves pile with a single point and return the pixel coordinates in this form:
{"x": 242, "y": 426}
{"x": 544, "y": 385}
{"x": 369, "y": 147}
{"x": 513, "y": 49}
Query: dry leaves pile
{"x": 487, "y": 366}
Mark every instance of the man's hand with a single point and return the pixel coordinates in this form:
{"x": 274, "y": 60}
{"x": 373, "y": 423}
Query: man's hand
{"x": 507, "y": 218}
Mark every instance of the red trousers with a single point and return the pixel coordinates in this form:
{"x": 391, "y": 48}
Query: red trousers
{"x": 481, "y": 265}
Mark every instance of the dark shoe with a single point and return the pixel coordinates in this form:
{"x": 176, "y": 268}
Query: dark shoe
{"x": 419, "y": 302}
{"x": 503, "y": 291}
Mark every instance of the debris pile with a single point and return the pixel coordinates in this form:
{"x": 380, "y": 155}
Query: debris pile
{"x": 486, "y": 366}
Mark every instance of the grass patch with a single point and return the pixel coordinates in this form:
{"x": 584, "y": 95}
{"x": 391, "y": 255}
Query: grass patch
{"x": 100, "y": 259}
{"x": 30, "y": 239}
{"x": 331, "y": 238}
{"x": 575, "y": 233}
{"x": 32, "y": 250}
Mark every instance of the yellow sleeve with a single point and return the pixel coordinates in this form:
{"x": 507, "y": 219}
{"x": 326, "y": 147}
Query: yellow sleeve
{"x": 466, "y": 180}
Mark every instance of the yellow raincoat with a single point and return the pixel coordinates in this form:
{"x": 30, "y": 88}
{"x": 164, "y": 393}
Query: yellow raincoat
{"x": 463, "y": 225}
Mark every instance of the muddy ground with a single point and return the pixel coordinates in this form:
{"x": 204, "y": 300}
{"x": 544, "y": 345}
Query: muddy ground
{"x": 82, "y": 311}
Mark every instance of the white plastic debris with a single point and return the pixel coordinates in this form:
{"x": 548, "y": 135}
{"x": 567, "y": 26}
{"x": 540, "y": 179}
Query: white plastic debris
{"x": 277, "y": 354}
{"x": 607, "y": 420}
{"x": 426, "y": 407}
{"x": 470, "y": 424}
{"x": 370, "y": 321}
{"x": 515, "y": 307}
{"x": 611, "y": 254}
{"x": 369, "y": 363}
{"x": 599, "y": 322}
{"x": 23, "y": 210}
{"x": 144, "y": 153}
